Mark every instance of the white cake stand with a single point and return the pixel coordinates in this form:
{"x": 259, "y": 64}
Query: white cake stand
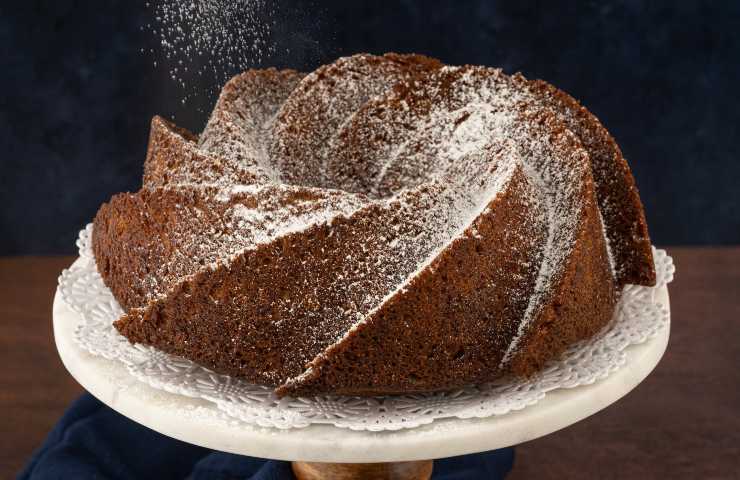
{"x": 199, "y": 422}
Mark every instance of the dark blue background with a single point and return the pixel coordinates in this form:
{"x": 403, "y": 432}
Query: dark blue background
{"x": 77, "y": 94}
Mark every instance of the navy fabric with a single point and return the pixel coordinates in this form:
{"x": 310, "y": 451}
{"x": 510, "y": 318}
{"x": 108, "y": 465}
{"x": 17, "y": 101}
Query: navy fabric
{"x": 92, "y": 441}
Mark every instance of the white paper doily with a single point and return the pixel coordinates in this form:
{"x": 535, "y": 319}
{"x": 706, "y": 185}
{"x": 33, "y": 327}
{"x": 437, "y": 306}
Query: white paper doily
{"x": 638, "y": 318}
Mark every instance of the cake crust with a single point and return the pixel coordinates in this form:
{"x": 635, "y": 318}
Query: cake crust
{"x": 385, "y": 224}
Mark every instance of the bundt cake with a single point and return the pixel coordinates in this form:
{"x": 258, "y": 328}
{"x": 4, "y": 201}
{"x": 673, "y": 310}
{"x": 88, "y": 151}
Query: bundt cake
{"x": 384, "y": 224}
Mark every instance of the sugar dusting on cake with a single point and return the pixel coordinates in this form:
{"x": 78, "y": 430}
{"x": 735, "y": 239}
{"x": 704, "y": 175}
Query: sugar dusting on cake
{"x": 444, "y": 145}
{"x": 426, "y": 148}
{"x": 270, "y": 219}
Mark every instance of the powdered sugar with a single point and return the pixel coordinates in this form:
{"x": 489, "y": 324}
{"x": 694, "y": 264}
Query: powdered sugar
{"x": 211, "y": 39}
{"x": 271, "y": 218}
{"x": 225, "y": 194}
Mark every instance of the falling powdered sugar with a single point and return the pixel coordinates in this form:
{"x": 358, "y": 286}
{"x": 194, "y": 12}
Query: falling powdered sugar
{"x": 205, "y": 42}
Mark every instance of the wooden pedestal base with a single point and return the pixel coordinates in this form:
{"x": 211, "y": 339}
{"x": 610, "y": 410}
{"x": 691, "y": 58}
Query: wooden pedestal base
{"x": 421, "y": 470}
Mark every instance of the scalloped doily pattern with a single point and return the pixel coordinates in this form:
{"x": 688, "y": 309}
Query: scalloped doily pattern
{"x": 638, "y": 318}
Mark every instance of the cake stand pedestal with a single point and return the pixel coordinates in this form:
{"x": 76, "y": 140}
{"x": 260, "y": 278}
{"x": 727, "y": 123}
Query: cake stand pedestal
{"x": 327, "y": 452}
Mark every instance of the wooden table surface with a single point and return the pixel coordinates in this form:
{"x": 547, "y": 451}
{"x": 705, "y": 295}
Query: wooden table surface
{"x": 682, "y": 422}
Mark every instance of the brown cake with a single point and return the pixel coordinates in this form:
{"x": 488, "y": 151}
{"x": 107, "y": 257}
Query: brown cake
{"x": 382, "y": 225}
